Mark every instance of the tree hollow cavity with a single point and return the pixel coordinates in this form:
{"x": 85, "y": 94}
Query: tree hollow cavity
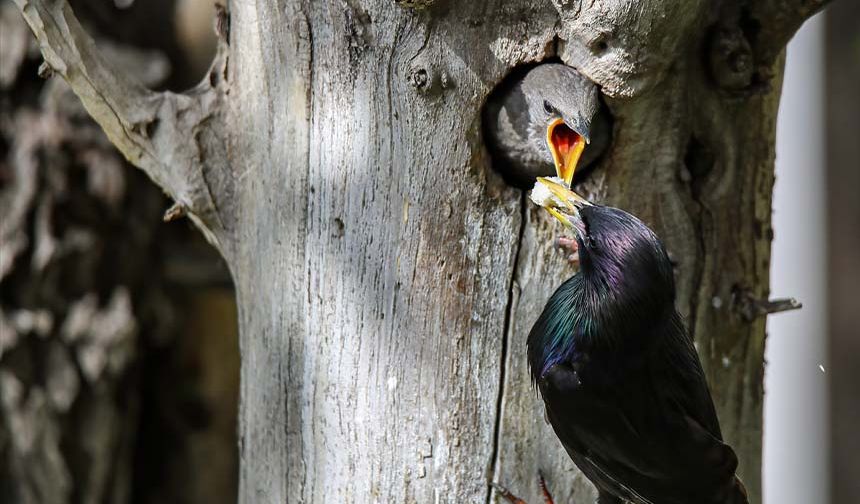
{"x": 515, "y": 133}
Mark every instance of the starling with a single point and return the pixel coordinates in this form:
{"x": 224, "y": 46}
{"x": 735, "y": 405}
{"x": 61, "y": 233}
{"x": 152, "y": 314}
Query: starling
{"x": 620, "y": 378}
{"x": 542, "y": 118}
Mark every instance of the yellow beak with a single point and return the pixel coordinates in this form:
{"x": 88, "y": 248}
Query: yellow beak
{"x": 558, "y": 199}
{"x": 565, "y": 197}
{"x": 566, "y": 147}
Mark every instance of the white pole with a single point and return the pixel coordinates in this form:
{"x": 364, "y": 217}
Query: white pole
{"x": 796, "y": 396}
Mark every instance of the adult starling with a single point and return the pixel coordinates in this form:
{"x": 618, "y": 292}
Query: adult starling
{"x": 623, "y": 386}
{"x": 544, "y": 118}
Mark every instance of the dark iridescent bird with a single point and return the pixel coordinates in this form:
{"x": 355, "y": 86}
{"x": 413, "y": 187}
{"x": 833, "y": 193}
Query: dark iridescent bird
{"x": 620, "y": 378}
{"x": 543, "y": 118}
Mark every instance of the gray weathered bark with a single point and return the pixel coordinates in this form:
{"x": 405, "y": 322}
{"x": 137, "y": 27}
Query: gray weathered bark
{"x": 387, "y": 277}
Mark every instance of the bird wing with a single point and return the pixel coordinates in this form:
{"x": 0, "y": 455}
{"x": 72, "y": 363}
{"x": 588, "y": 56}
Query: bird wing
{"x": 680, "y": 366}
{"x": 598, "y": 436}
{"x": 654, "y": 436}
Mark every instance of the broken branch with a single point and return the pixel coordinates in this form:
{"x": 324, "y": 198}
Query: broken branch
{"x": 751, "y": 308}
{"x": 157, "y": 132}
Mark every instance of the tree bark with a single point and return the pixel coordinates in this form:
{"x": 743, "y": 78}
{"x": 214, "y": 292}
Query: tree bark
{"x": 386, "y": 277}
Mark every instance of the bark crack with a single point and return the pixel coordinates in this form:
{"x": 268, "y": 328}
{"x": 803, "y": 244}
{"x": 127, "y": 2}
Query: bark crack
{"x": 698, "y": 267}
{"x": 698, "y": 164}
{"x": 506, "y": 335}
{"x": 306, "y": 12}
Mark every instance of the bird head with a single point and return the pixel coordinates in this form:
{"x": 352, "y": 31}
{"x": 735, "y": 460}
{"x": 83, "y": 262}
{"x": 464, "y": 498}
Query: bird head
{"x": 562, "y": 104}
{"x": 618, "y": 253}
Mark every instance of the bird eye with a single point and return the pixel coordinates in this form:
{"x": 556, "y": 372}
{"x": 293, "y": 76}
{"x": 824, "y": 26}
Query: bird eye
{"x": 549, "y": 109}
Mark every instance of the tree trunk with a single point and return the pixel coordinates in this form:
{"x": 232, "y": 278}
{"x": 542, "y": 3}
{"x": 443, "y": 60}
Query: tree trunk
{"x": 386, "y": 276}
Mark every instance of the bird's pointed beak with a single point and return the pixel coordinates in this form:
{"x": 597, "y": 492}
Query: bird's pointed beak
{"x": 566, "y": 146}
{"x": 556, "y": 197}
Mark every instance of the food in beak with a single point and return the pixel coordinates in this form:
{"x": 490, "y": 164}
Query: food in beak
{"x": 566, "y": 147}
{"x": 553, "y": 194}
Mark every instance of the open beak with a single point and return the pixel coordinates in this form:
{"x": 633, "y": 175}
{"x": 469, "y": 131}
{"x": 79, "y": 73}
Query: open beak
{"x": 566, "y": 147}
{"x": 556, "y": 197}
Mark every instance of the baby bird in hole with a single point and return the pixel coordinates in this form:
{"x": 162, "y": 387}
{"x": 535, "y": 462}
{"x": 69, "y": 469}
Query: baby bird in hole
{"x": 542, "y": 118}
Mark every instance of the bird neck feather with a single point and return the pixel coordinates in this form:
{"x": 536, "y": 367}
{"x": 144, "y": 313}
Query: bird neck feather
{"x": 589, "y": 316}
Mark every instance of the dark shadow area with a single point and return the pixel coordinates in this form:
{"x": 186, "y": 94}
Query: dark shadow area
{"x": 182, "y": 30}
{"x": 186, "y": 449}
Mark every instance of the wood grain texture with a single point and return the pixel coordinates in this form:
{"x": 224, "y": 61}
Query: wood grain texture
{"x": 387, "y": 278}
{"x": 380, "y": 372}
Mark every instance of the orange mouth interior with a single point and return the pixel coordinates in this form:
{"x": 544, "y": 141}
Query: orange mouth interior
{"x": 566, "y": 147}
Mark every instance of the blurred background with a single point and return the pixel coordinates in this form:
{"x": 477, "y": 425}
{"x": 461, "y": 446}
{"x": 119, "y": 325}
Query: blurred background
{"x": 812, "y": 377}
{"x": 119, "y": 357}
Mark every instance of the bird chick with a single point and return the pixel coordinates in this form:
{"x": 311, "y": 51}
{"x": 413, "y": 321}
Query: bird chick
{"x": 541, "y": 121}
{"x": 620, "y": 378}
